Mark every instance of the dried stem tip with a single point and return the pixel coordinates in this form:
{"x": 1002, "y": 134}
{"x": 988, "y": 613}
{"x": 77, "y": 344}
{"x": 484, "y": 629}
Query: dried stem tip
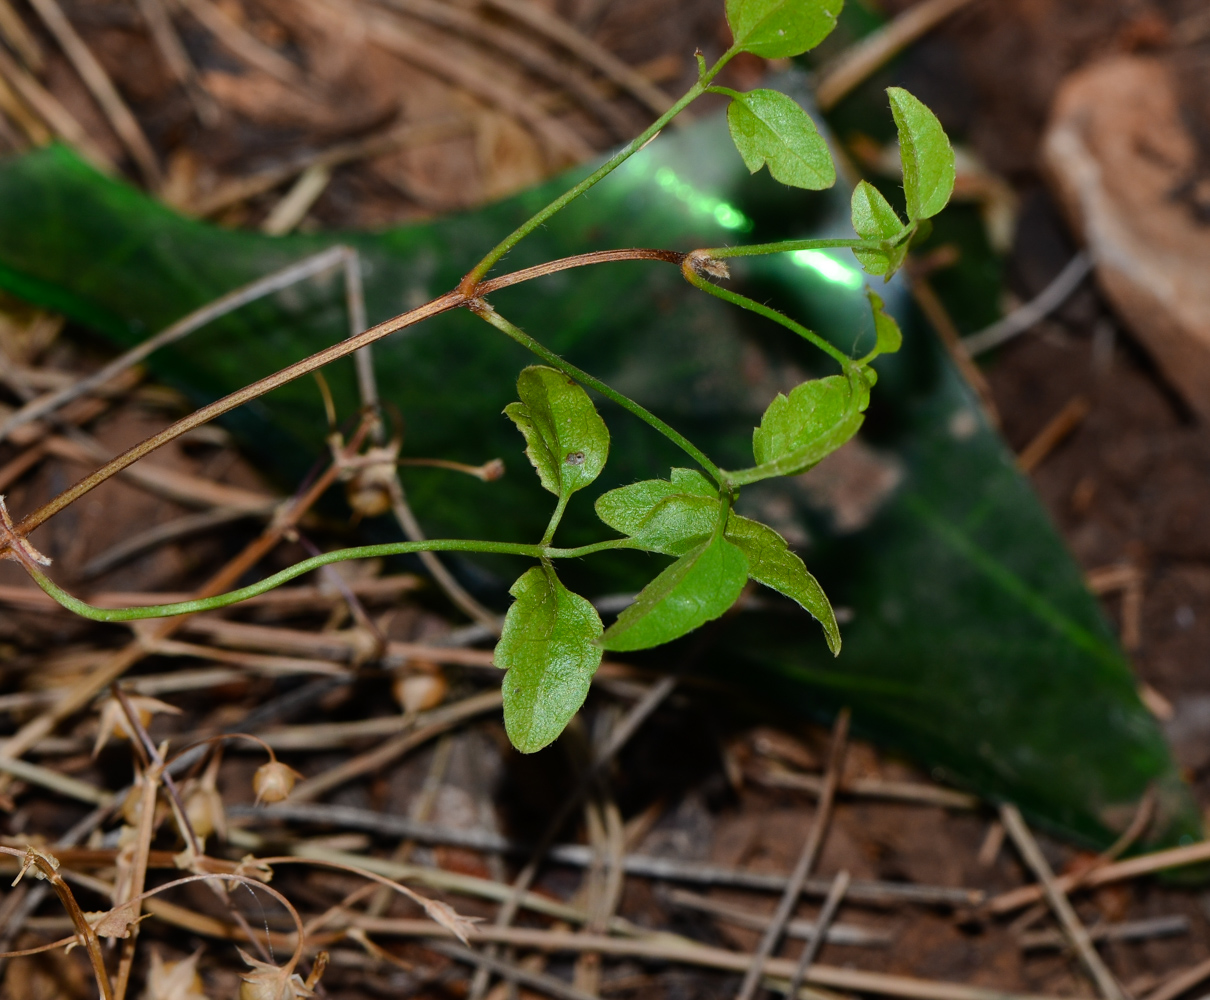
{"x": 702, "y": 264}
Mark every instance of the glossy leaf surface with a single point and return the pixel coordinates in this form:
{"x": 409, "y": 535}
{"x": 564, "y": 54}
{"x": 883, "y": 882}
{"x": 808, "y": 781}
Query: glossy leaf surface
{"x": 699, "y": 587}
{"x": 779, "y": 29}
{"x": 771, "y": 562}
{"x": 800, "y": 430}
{"x": 928, "y": 159}
{"x": 664, "y": 515}
{"x": 548, "y": 648}
{"x": 770, "y": 128}
{"x": 566, "y": 440}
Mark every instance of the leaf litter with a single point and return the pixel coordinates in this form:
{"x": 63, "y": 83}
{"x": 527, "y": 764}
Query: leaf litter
{"x": 719, "y": 784}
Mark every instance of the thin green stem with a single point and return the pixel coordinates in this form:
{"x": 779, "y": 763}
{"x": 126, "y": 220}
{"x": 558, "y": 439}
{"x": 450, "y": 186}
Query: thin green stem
{"x": 555, "y": 518}
{"x": 788, "y": 246}
{"x": 594, "y": 548}
{"x": 85, "y": 610}
{"x": 486, "y": 312}
{"x": 479, "y": 271}
{"x": 698, "y": 281}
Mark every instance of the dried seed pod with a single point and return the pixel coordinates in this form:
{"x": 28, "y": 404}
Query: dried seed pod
{"x": 268, "y": 982}
{"x": 420, "y": 691}
{"x": 204, "y": 810}
{"x": 273, "y": 781}
{"x": 174, "y": 980}
{"x": 368, "y": 490}
{"x": 114, "y": 722}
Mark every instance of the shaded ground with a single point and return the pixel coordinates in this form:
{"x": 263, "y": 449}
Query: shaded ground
{"x": 1129, "y": 486}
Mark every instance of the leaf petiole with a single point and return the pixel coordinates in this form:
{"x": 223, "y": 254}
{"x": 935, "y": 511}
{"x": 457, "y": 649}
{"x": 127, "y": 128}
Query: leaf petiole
{"x": 485, "y": 312}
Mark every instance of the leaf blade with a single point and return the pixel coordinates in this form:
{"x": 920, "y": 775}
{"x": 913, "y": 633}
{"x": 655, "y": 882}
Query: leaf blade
{"x": 770, "y": 129}
{"x": 697, "y": 588}
{"x": 926, "y": 154}
{"x": 874, "y": 219}
{"x": 771, "y": 562}
{"x": 566, "y": 440}
{"x": 800, "y": 430}
{"x": 548, "y": 648}
{"x": 779, "y": 29}
{"x": 669, "y": 516}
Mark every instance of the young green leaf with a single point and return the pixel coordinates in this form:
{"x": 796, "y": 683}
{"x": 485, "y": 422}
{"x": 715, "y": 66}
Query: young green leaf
{"x": 771, "y": 562}
{"x": 770, "y": 128}
{"x": 889, "y": 336}
{"x": 548, "y": 646}
{"x": 663, "y": 516}
{"x": 779, "y": 29}
{"x": 566, "y": 440}
{"x": 798, "y": 431}
{"x": 874, "y": 219}
{"x": 695, "y": 589}
{"x": 928, "y": 159}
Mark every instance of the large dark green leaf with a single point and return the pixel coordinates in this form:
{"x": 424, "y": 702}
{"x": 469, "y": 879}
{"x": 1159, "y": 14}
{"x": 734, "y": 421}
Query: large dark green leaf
{"x": 973, "y": 643}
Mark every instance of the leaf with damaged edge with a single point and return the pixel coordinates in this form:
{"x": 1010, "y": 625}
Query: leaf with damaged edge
{"x": 566, "y": 440}
{"x": 697, "y": 588}
{"x": 926, "y": 154}
{"x": 768, "y": 127}
{"x": 548, "y": 647}
{"x": 889, "y": 338}
{"x": 771, "y": 562}
{"x": 779, "y": 29}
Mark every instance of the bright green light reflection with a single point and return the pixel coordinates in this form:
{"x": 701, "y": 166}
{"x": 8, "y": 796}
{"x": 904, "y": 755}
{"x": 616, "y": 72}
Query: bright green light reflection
{"x": 828, "y": 268}
{"x": 727, "y": 216}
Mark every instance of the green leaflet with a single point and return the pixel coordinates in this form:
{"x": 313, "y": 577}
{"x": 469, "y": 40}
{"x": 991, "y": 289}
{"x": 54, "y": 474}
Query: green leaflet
{"x": 565, "y": 437}
{"x": 662, "y": 515}
{"x": 771, "y": 562}
{"x": 874, "y": 219}
{"x": 928, "y": 160}
{"x": 800, "y": 430}
{"x": 768, "y": 127}
{"x": 698, "y": 587}
{"x": 548, "y": 646}
{"x": 886, "y": 330}
{"x": 779, "y": 29}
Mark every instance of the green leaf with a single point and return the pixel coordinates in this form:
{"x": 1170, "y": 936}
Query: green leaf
{"x": 779, "y": 29}
{"x": 874, "y": 219}
{"x": 799, "y": 431}
{"x": 770, "y": 128}
{"x": 548, "y": 646}
{"x": 771, "y": 562}
{"x": 695, "y": 589}
{"x": 565, "y": 438}
{"x": 928, "y": 159}
{"x": 886, "y": 330}
{"x": 664, "y": 516}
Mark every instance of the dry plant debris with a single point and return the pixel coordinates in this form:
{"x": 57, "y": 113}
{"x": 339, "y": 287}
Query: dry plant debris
{"x": 385, "y": 109}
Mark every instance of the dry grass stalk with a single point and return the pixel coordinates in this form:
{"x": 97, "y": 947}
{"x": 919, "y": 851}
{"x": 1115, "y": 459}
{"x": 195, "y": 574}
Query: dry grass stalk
{"x": 669, "y": 948}
{"x": 827, "y": 914}
{"x": 115, "y": 666}
{"x": 545, "y": 22}
{"x": 859, "y": 62}
{"x": 529, "y": 55}
{"x": 563, "y": 146}
{"x": 125, "y": 125}
{"x": 806, "y": 860}
{"x": 1060, "y": 427}
{"x": 30, "y": 125}
{"x": 1181, "y": 982}
{"x": 376, "y": 144}
{"x": 296, "y": 203}
{"x": 163, "y": 33}
{"x": 14, "y": 31}
{"x": 240, "y": 43}
{"x": 867, "y": 788}
{"x": 57, "y": 118}
{"x": 1106, "y": 985}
